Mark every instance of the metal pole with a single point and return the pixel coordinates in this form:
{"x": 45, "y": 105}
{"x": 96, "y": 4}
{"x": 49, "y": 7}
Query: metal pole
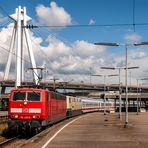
{"x": 130, "y": 79}
{"x": 30, "y": 49}
{"x": 54, "y": 84}
{"x": 137, "y": 99}
{"x": 140, "y": 99}
{"x": 104, "y": 96}
{"x": 90, "y": 75}
{"x": 126, "y": 90}
{"x": 120, "y": 107}
{"x": 18, "y": 57}
{"x": 12, "y": 43}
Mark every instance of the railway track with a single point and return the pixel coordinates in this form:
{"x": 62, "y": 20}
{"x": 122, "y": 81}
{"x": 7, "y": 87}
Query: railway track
{"x": 8, "y": 141}
{"x": 19, "y": 141}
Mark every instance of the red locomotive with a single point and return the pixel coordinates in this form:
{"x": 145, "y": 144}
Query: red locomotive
{"x": 31, "y": 109}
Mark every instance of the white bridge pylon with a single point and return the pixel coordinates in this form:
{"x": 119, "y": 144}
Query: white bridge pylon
{"x": 20, "y": 19}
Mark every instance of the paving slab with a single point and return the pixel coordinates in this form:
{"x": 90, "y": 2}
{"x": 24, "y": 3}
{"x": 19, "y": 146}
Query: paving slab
{"x": 96, "y": 130}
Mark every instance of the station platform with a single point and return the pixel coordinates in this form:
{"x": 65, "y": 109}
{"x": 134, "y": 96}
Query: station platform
{"x": 96, "y": 130}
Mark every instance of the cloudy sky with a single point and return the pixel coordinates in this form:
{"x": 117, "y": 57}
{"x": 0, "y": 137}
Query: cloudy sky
{"x": 64, "y": 41}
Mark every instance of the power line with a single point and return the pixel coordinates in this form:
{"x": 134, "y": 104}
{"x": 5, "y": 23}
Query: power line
{"x": 4, "y": 11}
{"x": 13, "y": 53}
{"x": 82, "y": 25}
{"x": 95, "y": 25}
{"x": 17, "y": 56}
{"x": 86, "y": 25}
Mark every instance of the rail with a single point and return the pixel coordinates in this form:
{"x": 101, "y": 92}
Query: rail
{"x": 8, "y": 141}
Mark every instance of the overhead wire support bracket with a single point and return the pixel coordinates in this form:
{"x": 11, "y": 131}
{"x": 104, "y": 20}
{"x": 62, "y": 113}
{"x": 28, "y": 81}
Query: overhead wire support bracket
{"x": 30, "y": 26}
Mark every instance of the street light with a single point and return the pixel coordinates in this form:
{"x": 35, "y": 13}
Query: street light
{"x": 137, "y": 93}
{"x": 126, "y": 91}
{"x": 112, "y": 75}
{"x": 119, "y": 68}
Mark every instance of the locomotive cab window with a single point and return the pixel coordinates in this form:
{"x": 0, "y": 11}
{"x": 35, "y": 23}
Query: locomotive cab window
{"x": 33, "y": 96}
{"x": 19, "y": 96}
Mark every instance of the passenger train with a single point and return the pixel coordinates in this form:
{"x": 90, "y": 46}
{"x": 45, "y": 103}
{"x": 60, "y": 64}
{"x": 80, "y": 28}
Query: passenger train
{"x": 31, "y": 109}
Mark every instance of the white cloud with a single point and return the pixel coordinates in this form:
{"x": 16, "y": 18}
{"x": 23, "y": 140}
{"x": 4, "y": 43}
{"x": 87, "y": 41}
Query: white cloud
{"x": 52, "y": 15}
{"x": 73, "y": 61}
{"x": 138, "y": 55}
{"x": 92, "y": 22}
{"x": 132, "y": 37}
{"x": 86, "y": 49}
{"x": 3, "y": 19}
{"x": 64, "y": 59}
{"x": 5, "y": 38}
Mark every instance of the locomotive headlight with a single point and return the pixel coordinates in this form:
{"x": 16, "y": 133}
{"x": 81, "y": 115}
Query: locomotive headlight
{"x": 16, "y": 116}
{"x": 35, "y": 117}
{"x": 25, "y": 102}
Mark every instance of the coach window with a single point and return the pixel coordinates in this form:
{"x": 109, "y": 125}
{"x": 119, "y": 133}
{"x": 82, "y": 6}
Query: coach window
{"x": 33, "y": 96}
{"x": 19, "y": 96}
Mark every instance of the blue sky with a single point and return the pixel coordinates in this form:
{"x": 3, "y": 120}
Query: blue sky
{"x": 73, "y": 40}
{"x": 101, "y": 11}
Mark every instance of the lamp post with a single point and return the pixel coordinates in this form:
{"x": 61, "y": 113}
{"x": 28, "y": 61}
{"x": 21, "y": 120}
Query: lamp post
{"x": 119, "y": 68}
{"x": 126, "y": 58}
{"x": 130, "y": 78}
{"x": 82, "y": 84}
{"x": 105, "y": 87}
{"x": 90, "y": 74}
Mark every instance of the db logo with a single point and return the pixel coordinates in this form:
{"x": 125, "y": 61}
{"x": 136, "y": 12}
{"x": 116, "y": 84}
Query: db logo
{"x": 25, "y": 110}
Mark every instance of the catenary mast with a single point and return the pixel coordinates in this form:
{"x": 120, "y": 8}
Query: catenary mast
{"x": 20, "y": 19}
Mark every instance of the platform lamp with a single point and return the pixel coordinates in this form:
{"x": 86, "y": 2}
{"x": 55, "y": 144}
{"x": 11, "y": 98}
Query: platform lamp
{"x": 112, "y": 75}
{"x": 137, "y": 92}
{"x": 119, "y": 68}
{"x": 126, "y": 58}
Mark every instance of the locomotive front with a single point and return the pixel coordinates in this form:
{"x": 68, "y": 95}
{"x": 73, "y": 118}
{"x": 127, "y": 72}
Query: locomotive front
{"x": 25, "y": 109}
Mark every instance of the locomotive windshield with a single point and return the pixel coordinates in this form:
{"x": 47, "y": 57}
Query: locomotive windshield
{"x": 26, "y": 96}
{"x": 19, "y": 96}
{"x": 33, "y": 96}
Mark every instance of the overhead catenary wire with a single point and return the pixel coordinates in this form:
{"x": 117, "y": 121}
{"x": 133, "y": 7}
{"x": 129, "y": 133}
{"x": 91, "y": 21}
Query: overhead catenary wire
{"x": 93, "y": 25}
{"x": 88, "y": 25}
{"x": 13, "y": 53}
{"x": 4, "y": 11}
{"x": 5, "y": 24}
{"x": 84, "y": 25}
{"x": 6, "y": 18}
